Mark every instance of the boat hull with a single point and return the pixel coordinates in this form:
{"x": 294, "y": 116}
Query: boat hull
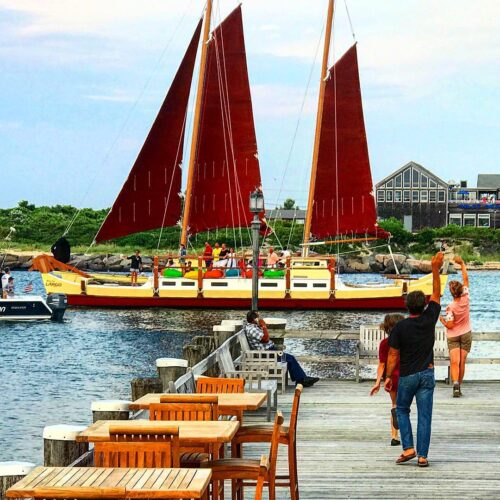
{"x": 232, "y": 303}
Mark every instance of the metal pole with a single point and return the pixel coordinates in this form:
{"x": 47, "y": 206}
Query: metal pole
{"x": 255, "y": 262}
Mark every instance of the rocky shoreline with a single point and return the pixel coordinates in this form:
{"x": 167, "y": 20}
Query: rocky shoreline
{"x": 369, "y": 263}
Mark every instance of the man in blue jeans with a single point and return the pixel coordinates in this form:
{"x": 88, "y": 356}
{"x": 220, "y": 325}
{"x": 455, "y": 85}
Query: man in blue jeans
{"x": 258, "y": 339}
{"x": 412, "y": 339}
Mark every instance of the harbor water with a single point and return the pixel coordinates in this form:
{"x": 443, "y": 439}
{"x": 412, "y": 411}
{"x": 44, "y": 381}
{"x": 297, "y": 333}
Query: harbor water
{"x": 50, "y": 373}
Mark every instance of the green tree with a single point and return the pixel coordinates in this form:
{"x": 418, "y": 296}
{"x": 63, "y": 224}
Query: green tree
{"x": 289, "y": 204}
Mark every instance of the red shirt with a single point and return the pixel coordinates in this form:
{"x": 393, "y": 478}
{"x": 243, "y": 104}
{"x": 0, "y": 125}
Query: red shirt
{"x": 383, "y": 354}
{"x": 208, "y": 251}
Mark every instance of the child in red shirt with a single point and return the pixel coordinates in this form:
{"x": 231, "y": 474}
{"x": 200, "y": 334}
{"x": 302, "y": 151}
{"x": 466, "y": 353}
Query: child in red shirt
{"x": 383, "y": 351}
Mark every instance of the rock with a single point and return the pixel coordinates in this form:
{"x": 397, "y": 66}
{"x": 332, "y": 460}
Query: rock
{"x": 377, "y": 267}
{"x": 417, "y": 266}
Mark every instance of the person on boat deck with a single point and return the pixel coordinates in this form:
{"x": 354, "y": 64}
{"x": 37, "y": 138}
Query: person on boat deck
{"x": 182, "y": 254}
{"x": 135, "y": 266}
{"x": 232, "y": 262}
{"x": 258, "y": 339}
{"x": 458, "y": 327}
{"x": 216, "y": 251}
{"x": 5, "y": 278}
{"x": 188, "y": 267}
{"x": 412, "y": 340}
{"x": 285, "y": 253}
{"x": 223, "y": 252}
{"x": 170, "y": 263}
{"x": 207, "y": 254}
{"x": 8, "y": 291}
{"x": 221, "y": 263}
{"x": 272, "y": 258}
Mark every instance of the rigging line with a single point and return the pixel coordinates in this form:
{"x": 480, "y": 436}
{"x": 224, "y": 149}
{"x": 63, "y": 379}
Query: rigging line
{"x": 129, "y": 115}
{"x": 291, "y": 229}
{"x": 292, "y": 145}
{"x": 350, "y": 22}
{"x": 176, "y": 165}
{"x": 225, "y": 89}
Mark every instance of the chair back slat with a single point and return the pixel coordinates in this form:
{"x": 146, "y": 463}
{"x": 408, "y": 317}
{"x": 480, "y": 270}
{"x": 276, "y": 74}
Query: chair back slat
{"x": 210, "y": 385}
{"x": 185, "y": 407}
{"x": 275, "y": 439}
{"x": 295, "y": 412}
{"x": 163, "y": 453}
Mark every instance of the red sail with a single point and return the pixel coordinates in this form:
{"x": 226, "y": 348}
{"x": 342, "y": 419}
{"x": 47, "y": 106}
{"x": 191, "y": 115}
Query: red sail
{"x": 343, "y": 197}
{"x": 226, "y": 165}
{"x": 149, "y": 199}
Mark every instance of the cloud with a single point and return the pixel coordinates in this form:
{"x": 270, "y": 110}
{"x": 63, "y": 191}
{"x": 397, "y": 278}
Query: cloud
{"x": 112, "y": 96}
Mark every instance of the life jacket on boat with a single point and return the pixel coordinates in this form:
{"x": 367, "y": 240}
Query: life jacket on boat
{"x": 274, "y": 273}
{"x": 172, "y": 273}
{"x": 213, "y": 274}
{"x": 192, "y": 275}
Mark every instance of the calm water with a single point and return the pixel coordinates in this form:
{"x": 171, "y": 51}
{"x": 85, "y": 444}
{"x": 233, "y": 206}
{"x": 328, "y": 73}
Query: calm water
{"x": 50, "y": 373}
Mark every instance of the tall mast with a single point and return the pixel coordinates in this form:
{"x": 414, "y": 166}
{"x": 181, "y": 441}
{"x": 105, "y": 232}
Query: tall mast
{"x": 319, "y": 118}
{"x": 196, "y": 124}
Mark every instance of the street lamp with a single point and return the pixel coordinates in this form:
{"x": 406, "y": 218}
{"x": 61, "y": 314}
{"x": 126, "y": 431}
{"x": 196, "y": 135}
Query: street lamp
{"x": 256, "y": 207}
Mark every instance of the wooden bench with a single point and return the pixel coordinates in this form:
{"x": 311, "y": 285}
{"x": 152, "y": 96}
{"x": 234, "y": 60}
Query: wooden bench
{"x": 262, "y": 360}
{"x": 370, "y": 337}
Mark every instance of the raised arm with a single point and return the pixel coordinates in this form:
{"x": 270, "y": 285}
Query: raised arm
{"x": 465, "y": 276}
{"x": 436, "y": 264}
{"x": 263, "y": 325}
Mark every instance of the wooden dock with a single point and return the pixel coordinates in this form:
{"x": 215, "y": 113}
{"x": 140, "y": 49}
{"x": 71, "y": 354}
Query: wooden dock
{"x": 344, "y": 451}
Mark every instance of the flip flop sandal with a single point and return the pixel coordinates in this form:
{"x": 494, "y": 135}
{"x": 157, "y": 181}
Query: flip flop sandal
{"x": 394, "y": 417}
{"x": 423, "y": 463}
{"x": 405, "y": 458}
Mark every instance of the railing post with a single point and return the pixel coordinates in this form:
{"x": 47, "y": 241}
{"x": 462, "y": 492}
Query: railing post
{"x": 156, "y": 284}
{"x": 11, "y": 473}
{"x": 142, "y": 386}
{"x": 115, "y": 409}
{"x": 200, "y": 277}
{"x": 288, "y": 278}
{"x": 331, "y": 265}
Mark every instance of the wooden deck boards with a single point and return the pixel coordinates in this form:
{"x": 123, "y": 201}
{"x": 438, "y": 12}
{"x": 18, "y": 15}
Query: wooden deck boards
{"x": 344, "y": 451}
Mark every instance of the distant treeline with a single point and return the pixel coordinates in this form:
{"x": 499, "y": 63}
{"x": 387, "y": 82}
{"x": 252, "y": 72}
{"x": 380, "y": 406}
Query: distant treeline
{"x": 39, "y": 227}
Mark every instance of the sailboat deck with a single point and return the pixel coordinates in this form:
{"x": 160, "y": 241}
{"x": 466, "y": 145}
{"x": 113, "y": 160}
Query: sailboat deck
{"x": 344, "y": 452}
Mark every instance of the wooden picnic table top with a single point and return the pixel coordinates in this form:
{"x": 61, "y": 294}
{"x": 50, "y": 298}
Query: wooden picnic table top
{"x": 241, "y": 401}
{"x": 97, "y": 482}
{"x": 190, "y": 431}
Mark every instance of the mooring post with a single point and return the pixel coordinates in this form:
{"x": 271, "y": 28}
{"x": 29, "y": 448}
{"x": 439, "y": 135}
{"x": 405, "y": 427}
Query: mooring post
{"x": 170, "y": 369}
{"x": 110, "y": 409}
{"x": 223, "y": 332}
{"x": 142, "y": 386}
{"x": 11, "y": 473}
{"x": 60, "y": 447}
{"x": 276, "y": 327}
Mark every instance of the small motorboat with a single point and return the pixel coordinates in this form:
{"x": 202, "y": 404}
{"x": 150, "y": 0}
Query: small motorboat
{"x": 33, "y": 307}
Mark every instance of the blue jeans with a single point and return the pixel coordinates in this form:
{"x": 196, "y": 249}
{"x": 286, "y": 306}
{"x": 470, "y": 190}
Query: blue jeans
{"x": 294, "y": 369}
{"x": 421, "y": 386}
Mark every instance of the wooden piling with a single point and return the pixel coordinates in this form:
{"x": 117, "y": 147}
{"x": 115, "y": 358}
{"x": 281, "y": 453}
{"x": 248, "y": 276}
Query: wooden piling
{"x": 59, "y": 445}
{"x": 147, "y": 385}
{"x": 12, "y": 472}
{"x": 114, "y": 409}
{"x": 170, "y": 369}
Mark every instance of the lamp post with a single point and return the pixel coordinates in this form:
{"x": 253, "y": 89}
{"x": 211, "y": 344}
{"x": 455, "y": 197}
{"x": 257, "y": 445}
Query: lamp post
{"x": 256, "y": 207}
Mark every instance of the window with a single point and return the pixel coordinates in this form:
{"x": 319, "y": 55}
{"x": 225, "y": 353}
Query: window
{"x": 456, "y": 219}
{"x": 453, "y": 196}
{"x": 432, "y": 196}
{"x": 424, "y": 196}
{"x": 414, "y": 196}
{"x": 441, "y": 196}
{"x": 406, "y": 196}
{"x": 397, "y": 196}
{"x": 432, "y": 184}
{"x": 380, "y": 195}
{"x": 483, "y": 220}
{"x": 389, "y": 184}
{"x": 423, "y": 180}
{"x": 397, "y": 181}
{"x": 415, "y": 179}
{"x": 389, "y": 196}
{"x": 406, "y": 178}
{"x": 469, "y": 219}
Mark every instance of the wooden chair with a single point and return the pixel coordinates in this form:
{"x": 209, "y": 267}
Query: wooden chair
{"x": 211, "y": 385}
{"x": 185, "y": 407}
{"x": 241, "y": 469}
{"x": 264, "y": 434}
{"x": 139, "y": 447}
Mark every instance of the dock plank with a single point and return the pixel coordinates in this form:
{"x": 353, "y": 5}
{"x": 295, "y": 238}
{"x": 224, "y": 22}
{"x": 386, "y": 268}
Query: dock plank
{"x": 343, "y": 444}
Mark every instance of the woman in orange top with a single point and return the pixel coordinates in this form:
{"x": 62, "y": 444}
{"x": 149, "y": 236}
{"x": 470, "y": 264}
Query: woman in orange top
{"x": 383, "y": 351}
{"x": 458, "y": 328}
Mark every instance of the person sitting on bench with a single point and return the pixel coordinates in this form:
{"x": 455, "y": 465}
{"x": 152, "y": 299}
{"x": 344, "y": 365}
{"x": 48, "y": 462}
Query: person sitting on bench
{"x": 258, "y": 338}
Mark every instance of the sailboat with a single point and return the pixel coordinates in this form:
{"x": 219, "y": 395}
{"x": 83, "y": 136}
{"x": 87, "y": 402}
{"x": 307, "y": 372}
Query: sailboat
{"x": 223, "y": 170}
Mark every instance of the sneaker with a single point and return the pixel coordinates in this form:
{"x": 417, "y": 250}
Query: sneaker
{"x": 456, "y": 390}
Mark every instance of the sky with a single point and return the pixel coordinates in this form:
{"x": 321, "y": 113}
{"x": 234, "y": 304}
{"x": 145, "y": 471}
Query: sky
{"x": 81, "y": 83}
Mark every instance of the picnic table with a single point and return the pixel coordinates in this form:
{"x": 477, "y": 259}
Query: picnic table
{"x": 118, "y": 483}
{"x": 229, "y": 403}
